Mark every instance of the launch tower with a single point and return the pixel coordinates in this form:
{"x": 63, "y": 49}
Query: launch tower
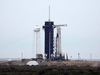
{"x": 49, "y": 38}
{"x": 49, "y": 32}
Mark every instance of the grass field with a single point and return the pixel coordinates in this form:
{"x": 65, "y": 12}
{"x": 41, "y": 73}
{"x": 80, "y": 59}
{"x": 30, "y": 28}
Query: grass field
{"x": 49, "y": 70}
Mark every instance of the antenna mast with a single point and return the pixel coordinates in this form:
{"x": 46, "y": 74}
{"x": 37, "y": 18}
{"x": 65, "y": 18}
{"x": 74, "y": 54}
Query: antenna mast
{"x": 49, "y": 13}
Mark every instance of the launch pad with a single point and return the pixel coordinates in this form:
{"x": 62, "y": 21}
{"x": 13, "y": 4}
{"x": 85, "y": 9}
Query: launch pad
{"x": 52, "y": 48}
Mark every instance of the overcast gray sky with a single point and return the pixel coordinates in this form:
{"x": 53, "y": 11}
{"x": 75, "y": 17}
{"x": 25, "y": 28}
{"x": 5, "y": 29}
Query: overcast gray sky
{"x": 18, "y": 18}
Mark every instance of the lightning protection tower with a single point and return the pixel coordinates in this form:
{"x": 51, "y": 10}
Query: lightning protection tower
{"x": 37, "y": 40}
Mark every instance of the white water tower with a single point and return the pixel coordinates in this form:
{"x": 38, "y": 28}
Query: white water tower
{"x": 37, "y": 39}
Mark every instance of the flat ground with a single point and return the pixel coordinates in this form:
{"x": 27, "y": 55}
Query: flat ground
{"x": 56, "y": 63}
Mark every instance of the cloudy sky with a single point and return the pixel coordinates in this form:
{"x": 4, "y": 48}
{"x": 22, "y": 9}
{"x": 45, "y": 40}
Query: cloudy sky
{"x": 18, "y": 18}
